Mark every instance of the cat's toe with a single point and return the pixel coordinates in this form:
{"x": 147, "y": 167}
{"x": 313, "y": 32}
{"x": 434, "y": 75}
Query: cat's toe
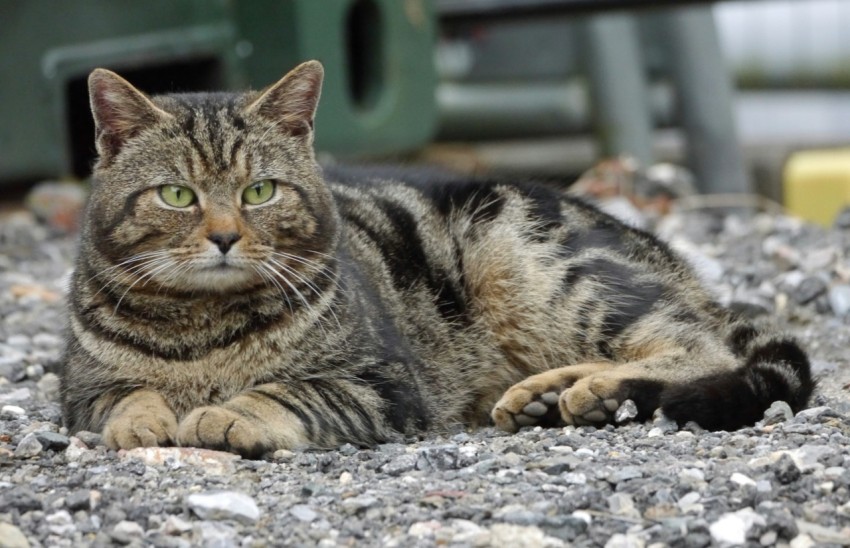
{"x": 141, "y": 419}
{"x": 592, "y": 400}
{"x": 524, "y": 406}
{"x": 219, "y": 428}
{"x": 131, "y": 430}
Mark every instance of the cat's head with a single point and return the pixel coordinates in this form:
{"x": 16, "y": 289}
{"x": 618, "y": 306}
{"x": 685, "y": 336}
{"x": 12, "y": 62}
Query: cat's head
{"x": 208, "y": 192}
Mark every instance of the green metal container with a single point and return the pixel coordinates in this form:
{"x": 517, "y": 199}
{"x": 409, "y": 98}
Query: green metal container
{"x": 379, "y": 89}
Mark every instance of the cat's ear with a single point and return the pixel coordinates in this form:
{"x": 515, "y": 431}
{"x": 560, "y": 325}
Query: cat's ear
{"x": 120, "y": 111}
{"x": 292, "y": 101}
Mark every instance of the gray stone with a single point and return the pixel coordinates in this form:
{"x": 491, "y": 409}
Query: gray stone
{"x": 91, "y": 439}
{"x": 48, "y": 385}
{"x": 817, "y": 414}
{"x": 809, "y": 289}
{"x": 125, "y": 532}
{"x": 779, "y": 411}
{"x": 518, "y": 514}
{"x": 35, "y": 371}
{"x": 29, "y": 447}
{"x": 842, "y": 220}
{"x": 786, "y": 470}
{"x": 222, "y": 505}
{"x": 622, "y": 504}
{"x": 79, "y": 500}
{"x": 347, "y": 449}
{"x": 214, "y": 534}
{"x": 359, "y": 504}
{"x": 440, "y": 457}
{"x": 627, "y": 411}
{"x": 51, "y": 441}
{"x": 16, "y": 395}
{"x": 624, "y": 473}
{"x": 399, "y": 465}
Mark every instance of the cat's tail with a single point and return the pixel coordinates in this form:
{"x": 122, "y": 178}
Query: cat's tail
{"x": 774, "y": 368}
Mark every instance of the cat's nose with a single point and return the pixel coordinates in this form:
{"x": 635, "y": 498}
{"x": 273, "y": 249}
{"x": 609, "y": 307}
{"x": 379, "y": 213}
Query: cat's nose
{"x": 224, "y": 240}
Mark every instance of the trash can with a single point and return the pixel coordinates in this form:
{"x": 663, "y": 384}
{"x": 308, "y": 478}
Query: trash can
{"x": 378, "y": 96}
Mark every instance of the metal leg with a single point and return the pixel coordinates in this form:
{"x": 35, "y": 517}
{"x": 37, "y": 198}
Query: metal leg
{"x": 618, "y": 86}
{"x": 705, "y": 99}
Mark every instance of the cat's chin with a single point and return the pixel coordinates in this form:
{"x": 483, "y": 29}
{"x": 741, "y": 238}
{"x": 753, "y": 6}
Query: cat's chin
{"x": 218, "y": 279}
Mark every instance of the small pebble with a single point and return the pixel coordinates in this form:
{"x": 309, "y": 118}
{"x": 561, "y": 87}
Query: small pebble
{"x": 223, "y": 505}
{"x": 29, "y": 447}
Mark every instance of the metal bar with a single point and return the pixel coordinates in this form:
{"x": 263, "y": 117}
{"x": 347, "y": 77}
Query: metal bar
{"x": 705, "y": 100}
{"x": 618, "y": 88}
{"x": 480, "y": 10}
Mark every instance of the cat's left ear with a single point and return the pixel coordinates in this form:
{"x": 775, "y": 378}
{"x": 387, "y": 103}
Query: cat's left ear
{"x": 292, "y": 101}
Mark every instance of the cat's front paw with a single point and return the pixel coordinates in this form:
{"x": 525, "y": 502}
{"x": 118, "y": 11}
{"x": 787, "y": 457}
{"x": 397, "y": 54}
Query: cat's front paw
{"x": 142, "y": 419}
{"x": 219, "y": 428}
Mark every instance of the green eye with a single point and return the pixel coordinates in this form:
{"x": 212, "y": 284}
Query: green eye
{"x": 259, "y": 192}
{"x": 176, "y": 195}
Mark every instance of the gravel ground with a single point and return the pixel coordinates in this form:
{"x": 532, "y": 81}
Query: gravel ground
{"x": 784, "y": 482}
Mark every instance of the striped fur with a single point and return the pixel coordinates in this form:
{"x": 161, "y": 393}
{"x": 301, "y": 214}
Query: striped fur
{"x": 362, "y": 302}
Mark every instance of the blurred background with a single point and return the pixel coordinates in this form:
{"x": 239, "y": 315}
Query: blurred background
{"x": 748, "y": 97}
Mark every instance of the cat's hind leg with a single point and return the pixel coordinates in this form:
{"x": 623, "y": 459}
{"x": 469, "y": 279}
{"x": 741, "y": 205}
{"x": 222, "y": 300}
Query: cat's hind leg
{"x": 535, "y": 400}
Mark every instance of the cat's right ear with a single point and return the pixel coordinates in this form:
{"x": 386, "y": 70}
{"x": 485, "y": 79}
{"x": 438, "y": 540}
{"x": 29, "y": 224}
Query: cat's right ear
{"x": 120, "y": 111}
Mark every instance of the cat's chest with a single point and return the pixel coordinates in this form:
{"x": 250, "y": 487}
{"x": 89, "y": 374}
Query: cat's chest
{"x": 213, "y": 378}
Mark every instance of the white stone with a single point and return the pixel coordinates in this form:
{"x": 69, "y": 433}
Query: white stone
{"x": 77, "y": 451}
{"x": 503, "y": 535}
{"x": 175, "y": 525}
{"x": 345, "y": 478}
{"x": 304, "y": 513}
{"x": 741, "y": 479}
{"x": 12, "y": 411}
{"x": 575, "y": 478}
{"x": 625, "y": 541}
{"x": 733, "y": 527}
{"x": 423, "y": 529}
{"x": 213, "y": 533}
{"x": 223, "y": 505}
{"x": 60, "y": 523}
{"x": 824, "y": 535}
{"x": 691, "y": 476}
{"x": 12, "y": 537}
{"x": 802, "y": 541}
{"x": 582, "y": 515}
{"x": 211, "y": 462}
{"x": 128, "y": 529}
{"x": 18, "y": 394}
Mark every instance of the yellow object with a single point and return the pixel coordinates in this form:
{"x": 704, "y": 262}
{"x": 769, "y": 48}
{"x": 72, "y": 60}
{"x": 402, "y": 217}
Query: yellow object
{"x": 816, "y": 184}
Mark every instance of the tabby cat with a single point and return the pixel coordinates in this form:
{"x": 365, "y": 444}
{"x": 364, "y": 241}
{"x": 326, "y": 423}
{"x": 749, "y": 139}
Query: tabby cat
{"x": 231, "y": 294}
